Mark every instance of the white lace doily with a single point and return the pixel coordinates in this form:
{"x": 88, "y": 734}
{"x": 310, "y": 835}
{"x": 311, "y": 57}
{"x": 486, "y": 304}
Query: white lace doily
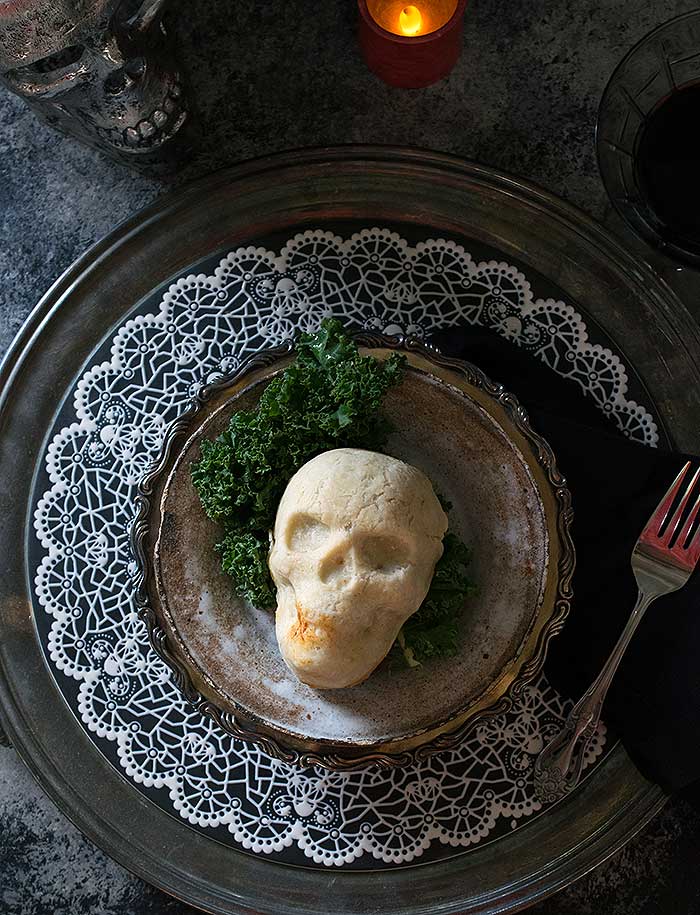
{"x": 154, "y": 362}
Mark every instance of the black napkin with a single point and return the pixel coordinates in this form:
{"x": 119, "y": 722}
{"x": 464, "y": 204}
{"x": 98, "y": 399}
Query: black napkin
{"x": 654, "y": 703}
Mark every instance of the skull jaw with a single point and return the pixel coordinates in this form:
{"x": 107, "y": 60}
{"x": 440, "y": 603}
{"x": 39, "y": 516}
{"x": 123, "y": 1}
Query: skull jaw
{"x": 320, "y": 648}
{"x": 168, "y": 148}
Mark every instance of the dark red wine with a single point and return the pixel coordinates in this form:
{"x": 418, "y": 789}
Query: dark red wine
{"x": 668, "y": 167}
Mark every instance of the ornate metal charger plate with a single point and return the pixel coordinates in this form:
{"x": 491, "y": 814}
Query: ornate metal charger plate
{"x": 294, "y": 238}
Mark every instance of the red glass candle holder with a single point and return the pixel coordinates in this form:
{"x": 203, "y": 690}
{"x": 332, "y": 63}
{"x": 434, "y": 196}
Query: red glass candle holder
{"x": 413, "y": 44}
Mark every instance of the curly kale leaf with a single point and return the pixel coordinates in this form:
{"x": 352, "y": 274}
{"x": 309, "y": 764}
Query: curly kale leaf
{"x": 329, "y": 397}
{"x": 433, "y": 630}
{"x": 244, "y": 557}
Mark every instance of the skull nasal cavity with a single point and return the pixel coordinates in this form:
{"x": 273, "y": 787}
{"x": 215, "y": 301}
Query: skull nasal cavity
{"x": 121, "y": 79}
{"x": 337, "y": 566}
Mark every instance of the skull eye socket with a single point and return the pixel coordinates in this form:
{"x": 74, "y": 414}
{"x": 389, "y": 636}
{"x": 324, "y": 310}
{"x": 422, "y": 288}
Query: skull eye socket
{"x": 383, "y": 554}
{"x": 306, "y": 533}
{"x": 58, "y": 61}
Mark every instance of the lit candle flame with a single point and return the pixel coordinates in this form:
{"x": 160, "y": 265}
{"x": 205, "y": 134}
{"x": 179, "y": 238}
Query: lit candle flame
{"x": 410, "y": 20}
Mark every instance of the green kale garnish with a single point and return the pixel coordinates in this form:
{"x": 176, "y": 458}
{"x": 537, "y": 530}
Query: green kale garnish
{"x": 244, "y": 558}
{"x": 433, "y": 631}
{"x": 329, "y": 397}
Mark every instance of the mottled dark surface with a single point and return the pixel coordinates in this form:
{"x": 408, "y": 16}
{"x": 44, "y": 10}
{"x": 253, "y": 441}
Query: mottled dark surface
{"x": 275, "y": 75}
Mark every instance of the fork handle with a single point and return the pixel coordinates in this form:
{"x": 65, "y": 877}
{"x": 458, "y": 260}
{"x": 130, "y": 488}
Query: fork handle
{"x": 558, "y": 767}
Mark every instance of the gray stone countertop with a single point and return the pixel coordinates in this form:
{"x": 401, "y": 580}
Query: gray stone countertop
{"x": 523, "y": 98}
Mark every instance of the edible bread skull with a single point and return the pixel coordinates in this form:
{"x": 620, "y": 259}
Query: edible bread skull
{"x": 356, "y": 539}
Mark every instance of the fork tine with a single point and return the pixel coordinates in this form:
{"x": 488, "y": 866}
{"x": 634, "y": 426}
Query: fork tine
{"x": 657, "y": 519}
{"x": 694, "y": 545}
{"x": 678, "y": 514}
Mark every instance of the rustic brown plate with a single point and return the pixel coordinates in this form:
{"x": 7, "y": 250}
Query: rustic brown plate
{"x": 509, "y": 503}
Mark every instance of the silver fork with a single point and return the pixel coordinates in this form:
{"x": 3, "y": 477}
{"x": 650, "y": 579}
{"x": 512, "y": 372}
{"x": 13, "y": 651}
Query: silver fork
{"x": 659, "y": 568}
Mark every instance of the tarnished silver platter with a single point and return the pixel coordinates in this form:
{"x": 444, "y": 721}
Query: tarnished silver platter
{"x": 444, "y": 195}
{"x": 509, "y": 502}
